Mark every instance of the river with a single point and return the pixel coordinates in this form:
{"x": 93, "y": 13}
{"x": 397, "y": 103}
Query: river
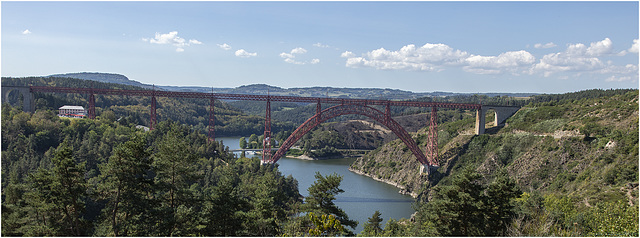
{"x": 362, "y": 196}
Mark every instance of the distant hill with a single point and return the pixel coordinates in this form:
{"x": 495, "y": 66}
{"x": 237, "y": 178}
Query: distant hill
{"x": 103, "y": 77}
{"x": 263, "y": 89}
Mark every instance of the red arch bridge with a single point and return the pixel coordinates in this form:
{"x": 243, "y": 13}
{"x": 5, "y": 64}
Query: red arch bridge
{"x": 342, "y": 106}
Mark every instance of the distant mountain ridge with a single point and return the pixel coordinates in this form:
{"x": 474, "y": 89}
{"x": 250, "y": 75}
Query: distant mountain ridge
{"x": 264, "y": 89}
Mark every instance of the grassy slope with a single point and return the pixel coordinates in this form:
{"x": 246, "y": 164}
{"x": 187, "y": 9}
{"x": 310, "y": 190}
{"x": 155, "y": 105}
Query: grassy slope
{"x": 586, "y": 149}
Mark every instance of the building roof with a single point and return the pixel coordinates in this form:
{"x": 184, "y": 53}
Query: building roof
{"x": 72, "y": 107}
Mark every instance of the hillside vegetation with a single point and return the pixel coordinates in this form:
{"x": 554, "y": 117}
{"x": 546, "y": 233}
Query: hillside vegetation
{"x": 229, "y": 121}
{"x": 573, "y": 158}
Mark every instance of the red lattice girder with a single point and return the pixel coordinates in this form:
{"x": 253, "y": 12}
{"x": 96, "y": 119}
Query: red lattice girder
{"x": 212, "y": 120}
{"x": 152, "y": 119}
{"x": 266, "y": 142}
{"x": 92, "y": 106}
{"x": 225, "y": 96}
{"x": 432, "y": 140}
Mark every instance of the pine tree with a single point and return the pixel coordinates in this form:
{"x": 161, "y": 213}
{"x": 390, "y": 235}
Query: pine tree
{"x": 499, "y": 207}
{"x": 372, "y": 227}
{"x": 175, "y": 172}
{"x": 322, "y": 193}
{"x": 125, "y": 185}
{"x": 56, "y": 198}
{"x": 456, "y": 209}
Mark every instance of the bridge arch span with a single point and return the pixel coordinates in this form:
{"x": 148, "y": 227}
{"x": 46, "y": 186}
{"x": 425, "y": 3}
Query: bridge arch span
{"x": 345, "y": 109}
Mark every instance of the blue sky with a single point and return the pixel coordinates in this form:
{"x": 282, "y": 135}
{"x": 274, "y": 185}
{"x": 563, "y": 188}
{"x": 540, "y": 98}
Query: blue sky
{"x": 543, "y": 47}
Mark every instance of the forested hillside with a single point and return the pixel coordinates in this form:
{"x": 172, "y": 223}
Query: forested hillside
{"x": 195, "y": 112}
{"x": 80, "y": 177}
{"x": 567, "y": 164}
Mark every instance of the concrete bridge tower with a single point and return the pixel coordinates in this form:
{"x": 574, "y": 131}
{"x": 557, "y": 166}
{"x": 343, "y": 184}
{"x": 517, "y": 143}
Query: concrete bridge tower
{"x": 28, "y": 104}
{"x": 501, "y": 115}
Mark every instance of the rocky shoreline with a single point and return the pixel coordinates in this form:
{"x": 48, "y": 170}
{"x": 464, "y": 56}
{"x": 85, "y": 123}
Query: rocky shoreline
{"x": 403, "y": 190}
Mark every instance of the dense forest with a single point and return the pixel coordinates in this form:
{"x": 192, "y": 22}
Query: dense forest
{"x": 80, "y": 177}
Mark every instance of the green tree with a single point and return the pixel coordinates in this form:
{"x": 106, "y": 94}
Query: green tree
{"x": 373, "y": 225}
{"x": 243, "y": 143}
{"x": 322, "y": 193}
{"x": 253, "y": 141}
{"x": 57, "y": 197}
{"x": 125, "y": 185}
{"x": 325, "y": 225}
{"x": 222, "y": 214}
{"x": 175, "y": 171}
{"x": 457, "y": 209}
{"x": 499, "y": 210}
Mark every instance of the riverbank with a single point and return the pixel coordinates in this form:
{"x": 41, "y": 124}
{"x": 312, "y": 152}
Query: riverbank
{"x": 305, "y": 157}
{"x": 403, "y": 189}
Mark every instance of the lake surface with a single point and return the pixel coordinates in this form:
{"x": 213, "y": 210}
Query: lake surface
{"x": 362, "y": 196}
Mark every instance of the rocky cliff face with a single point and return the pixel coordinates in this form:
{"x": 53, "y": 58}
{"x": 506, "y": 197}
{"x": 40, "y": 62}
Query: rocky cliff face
{"x": 394, "y": 164}
{"x": 585, "y": 148}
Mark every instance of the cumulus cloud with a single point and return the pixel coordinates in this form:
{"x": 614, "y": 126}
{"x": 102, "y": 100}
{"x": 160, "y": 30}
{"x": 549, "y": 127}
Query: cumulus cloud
{"x": 26, "y": 32}
{"x": 429, "y": 57}
{"x": 577, "y": 57}
{"x": 600, "y": 48}
{"x": 172, "y": 38}
{"x": 513, "y": 61}
{"x": 244, "y": 54}
{"x": 545, "y": 46}
{"x": 298, "y": 50}
{"x": 290, "y": 57}
{"x": 634, "y": 47}
{"x": 224, "y": 46}
{"x": 347, "y": 54}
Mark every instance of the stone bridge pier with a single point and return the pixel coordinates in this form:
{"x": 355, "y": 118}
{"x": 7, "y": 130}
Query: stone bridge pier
{"x": 28, "y": 104}
{"x": 501, "y": 115}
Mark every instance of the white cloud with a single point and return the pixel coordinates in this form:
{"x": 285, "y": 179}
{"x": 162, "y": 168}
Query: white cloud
{"x": 600, "y": 48}
{"x": 545, "y": 46}
{"x": 244, "y": 54}
{"x": 320, "y": 45}
{"x": 286, "y": 55}
{"x": 224, "y": 46}
{"x": 26, "y": 32}
{"x": 289, "y": 57}
{"x": 347, "y": 54}
{"x": 513, "y": 61}
{"x": 618, "y": 79}
{"x": 580, "y": 59}
{"x": 577, "y": 57}
{"x": 429, "y": 57}
{"x": 292, "y": 61}
{"x": 634, "y": 47}
{"x": 576, "y": 60}
{"x": 298, "y": 50}
{"x": 172, "y": 38}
